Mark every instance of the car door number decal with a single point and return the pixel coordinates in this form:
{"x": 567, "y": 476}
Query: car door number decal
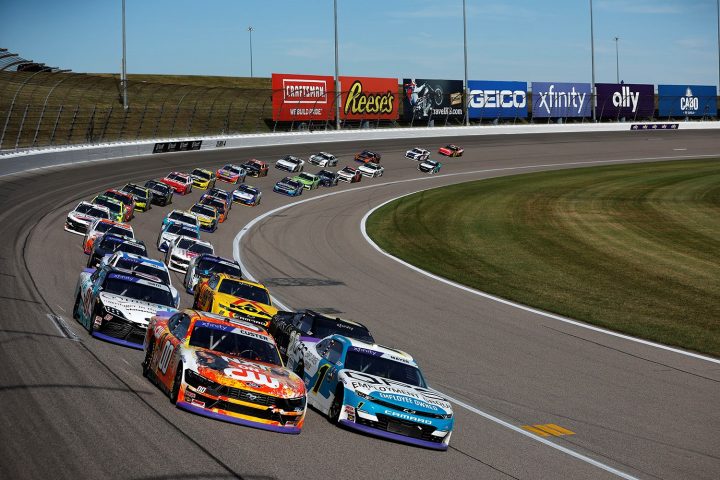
{"x": 165, "y": 357}
{"x": 321, "y": 375}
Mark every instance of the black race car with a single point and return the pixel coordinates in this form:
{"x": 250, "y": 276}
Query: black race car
{"x": 328, "y": 178}
{"x": 161, "y": 194}
{"x": 110, "y": 243}
{"x": 292, "y": 329}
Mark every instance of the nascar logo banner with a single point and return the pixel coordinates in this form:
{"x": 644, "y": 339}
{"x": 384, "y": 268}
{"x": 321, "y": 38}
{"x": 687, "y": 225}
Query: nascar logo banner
{"x": 492, "y": 99}
{"x": 302, "y": 97}
{"x": 424, "y": 98}
{"x": 625, "y": 100}
{"x": 561, "y": 100}
{"x": 687, "y": 100}
{"x": 369, "y": 98}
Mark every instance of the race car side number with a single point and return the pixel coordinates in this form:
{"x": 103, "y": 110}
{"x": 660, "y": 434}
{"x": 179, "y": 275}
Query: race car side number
{"x": 165, "y": 357}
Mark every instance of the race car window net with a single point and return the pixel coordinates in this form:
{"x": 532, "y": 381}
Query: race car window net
{"x": 244, "y": 290}
{"x": 138, "y": 291}
{"x": 235, "y": 344}
{"x": 144, "y": 268}
{"x": 385, "y": 368}
{"x": 208, "y": 266}
{"x": 324, "y": 327}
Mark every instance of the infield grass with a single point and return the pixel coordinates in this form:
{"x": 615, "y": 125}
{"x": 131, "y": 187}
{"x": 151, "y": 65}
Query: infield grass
{"x": 634, "y": 248}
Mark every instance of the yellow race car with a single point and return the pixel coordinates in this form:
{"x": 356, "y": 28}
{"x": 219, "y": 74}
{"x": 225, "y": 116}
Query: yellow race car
{"x": 202, "y": 178}
{"x": 207, "y": 215}
{"x": 234, "y": 297}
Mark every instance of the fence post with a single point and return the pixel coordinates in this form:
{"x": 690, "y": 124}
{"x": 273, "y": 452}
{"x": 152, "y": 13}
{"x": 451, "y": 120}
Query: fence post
{"x": 91, "y": 126}
{"x": 72, "y": 124}
{"x": 22, "y": 123}
{"x": 57, "y": 121}
{"x": 122, "y": 127}
{"x": 157, "y": 124}
{"x": 142, "y": 120}
{"x": 262, "y": 112}
{"x": 107, "y": 120}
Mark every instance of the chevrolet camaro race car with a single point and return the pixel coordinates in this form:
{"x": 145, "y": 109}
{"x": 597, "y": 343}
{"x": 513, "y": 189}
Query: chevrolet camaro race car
{"x": 349, "y": 175}
{"x": 247, "y": 195}
{"x": 323, "y": 159}
{"x": 115, "y": 305}
{"x": 171, "y": 230}
{"x": 309, "y": 181}
{"x": 161, "y": 193}
{"x": 101, "y": 226}
{"x": 429, "y": 166}
{"x": 181, "y": 216}
{"x": 83, "y": 215}
{"x": 371, "y": 170}
{"x": 288, "y": 186}
{"x": 203, "y": 178}
{"x": 255, "y": 168}
{"x": 110, "y": 243}
{"x": 141, "y": 195}
{"x": 368, "y": 156}
{"x": 236, "y": 298}
{"x": 144, "y": 265}
{"x": 451, "y": 150}
{"x": 231, "y": 174}
{"x": 207, "y": 215}
{"x": 181, "y": 183}
{"x": 290, "y": 163}
{"x": 224, "y": 369}
{"x": 182, "y": 250}
{"x": 376, "y": 390}
{"x": 203, "y": 267}
{"x": 328, "y": 178}
{"x": 418, "y": 154}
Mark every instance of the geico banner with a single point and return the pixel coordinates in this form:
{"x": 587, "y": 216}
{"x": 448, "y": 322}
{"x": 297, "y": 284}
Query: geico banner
{"x": 561, "y": 100}
{"x": 368, "y": 98}
{"x": 491, "y": 99}
{"x": 625, "y": 100}
{"x": 302, "y": 97}
{"x": 687, "y": 100}
{"x": 423, "y": 98}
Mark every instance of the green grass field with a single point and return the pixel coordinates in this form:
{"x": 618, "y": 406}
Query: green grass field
{"x": 634, "y": 248}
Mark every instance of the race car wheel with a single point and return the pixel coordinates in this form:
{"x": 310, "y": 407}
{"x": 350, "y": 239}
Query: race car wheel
{"x": 175, "y": 392}
{"x": 336, "y": 407}
{"x": 148, "y": 360}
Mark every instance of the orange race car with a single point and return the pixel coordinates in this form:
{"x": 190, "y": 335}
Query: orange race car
{"x": 101, "y": 226}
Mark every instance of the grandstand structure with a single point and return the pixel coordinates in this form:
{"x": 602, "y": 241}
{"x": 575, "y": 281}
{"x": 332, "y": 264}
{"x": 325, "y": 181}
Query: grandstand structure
{"x": 12, "y": 62}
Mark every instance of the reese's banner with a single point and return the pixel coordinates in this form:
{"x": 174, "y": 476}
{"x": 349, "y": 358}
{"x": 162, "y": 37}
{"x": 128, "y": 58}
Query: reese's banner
{"x": 425, "y": 98}
{"x": 298, "y": 98}
{"x": 368, "y": 98}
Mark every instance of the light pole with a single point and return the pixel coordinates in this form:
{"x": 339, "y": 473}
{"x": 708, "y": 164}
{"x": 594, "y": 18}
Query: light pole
{"x": 617, "y": 61}
{"x": 337, "y": 87}
{"x": 718, "y": 32}
{"x": 593, "y": 98}
{"x": 123, "y": 76}
{"x": 465, "y": 84}
{"x": 250, "y": 30}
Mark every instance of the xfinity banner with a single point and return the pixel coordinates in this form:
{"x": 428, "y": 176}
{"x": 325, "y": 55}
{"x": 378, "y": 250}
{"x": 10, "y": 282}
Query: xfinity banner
{"x": 630, "y": 100}
{"x": 687, "y": 100}
{"x": 365, "y": 98}
{"x": 561, "y": 100}
{"x": 424, "y": 98}
{"x": 491, "y": 99}
{"x": 302, "y": 97}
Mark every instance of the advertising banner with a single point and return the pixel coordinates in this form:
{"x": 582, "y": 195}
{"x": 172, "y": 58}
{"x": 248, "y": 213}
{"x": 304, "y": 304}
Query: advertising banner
{"x": 425, "y": 98}
{"x": 369, "y": 98}
{"x": 492, "y": 99}
{"x": 687, "y": 100}
{"x": 561, "y": 100}
{"x": 164, "y": 147}
{"x": 299, "y": 98}
{"x": 632, "y": 100}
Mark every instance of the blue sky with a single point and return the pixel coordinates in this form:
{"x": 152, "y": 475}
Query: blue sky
{"x": 661, "y": 41}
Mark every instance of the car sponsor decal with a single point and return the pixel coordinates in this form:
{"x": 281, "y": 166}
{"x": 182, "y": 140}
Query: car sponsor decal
{"x": 250, "y": 375}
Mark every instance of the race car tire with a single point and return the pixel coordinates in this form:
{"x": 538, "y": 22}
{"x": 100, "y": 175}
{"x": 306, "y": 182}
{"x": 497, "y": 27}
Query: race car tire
{"x": 148, "y": 360}
{"x": 336, "y": 407}
{"x": 175, "y": 392}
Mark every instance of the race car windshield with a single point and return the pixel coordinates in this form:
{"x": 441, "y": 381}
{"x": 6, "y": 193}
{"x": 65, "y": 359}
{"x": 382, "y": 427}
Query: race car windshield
{"x": 307, "y": 176}
{"x": 215, "y": 202}
{"x": 208, "y": 266}
{"x": 134, "y": 248}
{"x": 246, "y": 189}
{"x": 118, "y": 230}
{"x": 244, "y": 290}
{"x": 119, "y": 197}
{"x": 185, "y": 243}
{"x": 136, "y": 191}
{"x": 208, "y": 212}
{"x": 385, "y": 368}
{"x": 112, "y": 206}
{"x": 92, "y": 211}
{"x": 143, "y": 268}
{"x": 232, "y": 169}
{"x": 235, "y": 344}
{"x": 160, "y": 187}
{"x": 348, "y": 170}
{"x": 181, "y": 217}
{"x": 201, "y": 174}
{"x": 199, "y": 248}
{"x": 138, "y": 291}
{"x": 324, "y": 327}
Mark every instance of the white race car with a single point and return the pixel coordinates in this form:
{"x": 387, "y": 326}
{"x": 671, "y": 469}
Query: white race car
{"x": 83, "y": 215}
{"x": 145, "y": 265}
{"x": 371, "y": 170}
{"x": 173, "y": 230}
{"x": 290, "y": 163}
{"x": 418, "y": 154}
{"x": 182, "y": 216}
{"x": 182, "y": 250}
{"x": 323, "y": 159}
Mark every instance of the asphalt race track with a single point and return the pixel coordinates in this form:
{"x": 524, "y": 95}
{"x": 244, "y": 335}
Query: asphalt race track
{"x": 76, "y": 407}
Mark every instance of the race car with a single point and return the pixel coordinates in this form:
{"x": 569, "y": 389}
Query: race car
{"x": 80, "y": 218}
{"x": 207, "y": 215}
{"x": 115, "y": 304}
{"x": 182, "y": 250}
{"x": 323, "y": 159}
{"x": 180, "y": 182}
{"x": 368, "y": 156}
{"x": 293, "y": 330}
{"x": 223, "y": 369}
{"x": 451, "y": 150}
{"x": 203, "y": 178}
{"x": 376, "y": 390}
{"x": 182, "y": 216}
{"x": 309, "y": 181}
{"x": 203, "y": 266}
{"x": 141, "y": 195}
{"x": 221, "y": 194}
{"x": 247, "y": 195}
{"x": 349, "y": 175}
{"x": 171, "y": 230}
{"x": 161, "y": 194}
{"x": 116, "y": 208}
{"x": 255, "y": 168}
{"x": 142, "y": 264}
{"x": 100, "y": 226}
{"x": 290, "y": 163}
{"x": 288, "y": 186}
{"x": 110, "y": 243}
{"x": 126, "y": 199}
{"x": 328, "y": 178}
{"x": 429, "y": 166}
{"x": 235, "y": 298}
{"x": 418, "y": 154}
{"x": 231, "y": 174}
{"x": 371, "y": 170}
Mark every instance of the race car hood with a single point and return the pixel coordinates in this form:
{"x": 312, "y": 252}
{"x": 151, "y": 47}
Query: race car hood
{"x": 286, "y": 186}
{"x": 427, "y": 165}
{"x": 81, "y": 217}
{"x": 392, "y": 393}
{"x": 235, "y": 372}
{"x": 134, "y": 310}
{"x": 182, "y": 253}
{"x": 227, "y": 173}
{"x": 254, "y": 312}
{"x": 243, "y": 195}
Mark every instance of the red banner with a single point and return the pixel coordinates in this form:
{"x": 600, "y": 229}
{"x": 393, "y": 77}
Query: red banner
{"x": 367, "y": 98}
{"x": 298, "y": 98}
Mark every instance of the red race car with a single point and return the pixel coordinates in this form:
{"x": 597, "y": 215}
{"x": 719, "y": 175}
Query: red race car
{"x": 451, "y": 150}
{"x": 126, "y": 199}
{"x": 367, "y": 156}
{"x": 180, "y": 182}
{"x": 225, "y": 369}
{"x": 231, "y": 173}
{"x": 255, "y": 168}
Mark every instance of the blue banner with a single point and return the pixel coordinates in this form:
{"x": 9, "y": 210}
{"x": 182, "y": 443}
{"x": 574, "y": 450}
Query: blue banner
{"x": 561, "y": 100}
{"x": 491, "y": 99}
{"x": 687, "y": 100}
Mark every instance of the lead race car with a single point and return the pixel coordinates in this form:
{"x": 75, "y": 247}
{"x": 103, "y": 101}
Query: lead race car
{"x": 376, "y": 390}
